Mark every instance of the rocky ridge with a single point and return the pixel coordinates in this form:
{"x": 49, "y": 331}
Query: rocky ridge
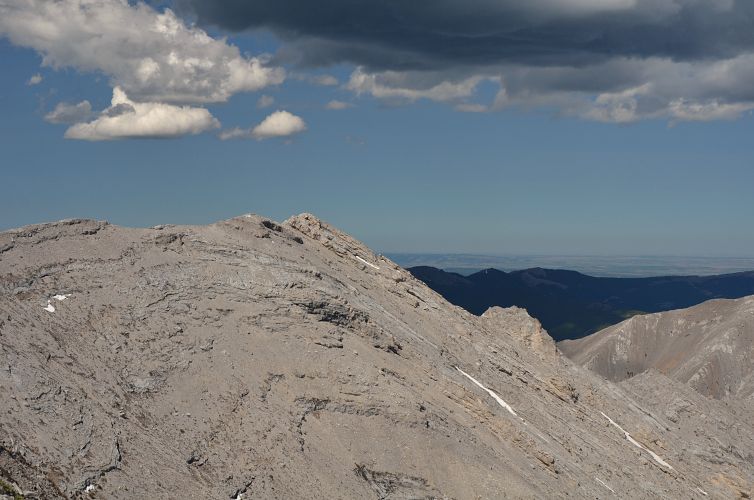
{"x": 251, "y": 359}
{"x": 709, "y": 347}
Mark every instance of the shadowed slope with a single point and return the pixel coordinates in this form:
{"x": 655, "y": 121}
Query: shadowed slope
{"x": 572, "y": 305}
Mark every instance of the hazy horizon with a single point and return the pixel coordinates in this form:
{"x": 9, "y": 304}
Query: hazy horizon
{"x": 598, "y": 266}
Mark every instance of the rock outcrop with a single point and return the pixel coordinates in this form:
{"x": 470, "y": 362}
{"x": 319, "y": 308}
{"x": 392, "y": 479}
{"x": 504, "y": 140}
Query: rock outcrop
{"x": 516, "y": 322}
{"x": 251, "y": 359}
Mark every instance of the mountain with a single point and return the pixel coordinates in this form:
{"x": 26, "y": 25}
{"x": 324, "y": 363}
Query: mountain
{"x": 572, "y": 305}
{"x": 251, "y": 359}
{"x": 709, "y": 347}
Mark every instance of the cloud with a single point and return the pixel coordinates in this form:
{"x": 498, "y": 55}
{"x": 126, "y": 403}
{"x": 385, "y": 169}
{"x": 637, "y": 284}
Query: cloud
{"x": 467, "y": 107}
{"x": 626, "y": 90}
{"x": 448, "y": 33}
{"x": 411, "y": 86}
{"x": 235, "y": 133}
{"x": 336, "y": 105}
{"x": 324, "y": 80}
{"x": 35, "y": 80}
{"x": 265, "y": 101}
{"x": 126, "y": 119}
{"x": 618, "y": 90}
{"x": 152, "y": 55}
{"x": 70, "y": 113}
{"x": 278, "y": 124}
{"x": 706, "y": 111}
{"x": 606, "y": 60}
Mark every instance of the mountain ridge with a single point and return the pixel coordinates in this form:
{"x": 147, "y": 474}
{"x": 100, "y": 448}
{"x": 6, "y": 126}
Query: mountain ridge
{"x": 708, "y": 346}
{"x": 255, "y": 359}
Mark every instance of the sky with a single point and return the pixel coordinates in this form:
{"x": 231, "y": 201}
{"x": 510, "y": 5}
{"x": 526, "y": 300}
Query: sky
{"x": 551, "y": 127}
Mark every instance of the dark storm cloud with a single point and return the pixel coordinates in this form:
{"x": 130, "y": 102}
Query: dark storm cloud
{"x": 607, "y": 60}
{"x": 422, "y": 34}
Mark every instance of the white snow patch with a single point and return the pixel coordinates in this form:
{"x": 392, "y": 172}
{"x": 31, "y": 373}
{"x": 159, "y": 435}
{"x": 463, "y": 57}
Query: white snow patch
{"x": 634, "y": 442}
{"x": 603, "y": 484}
{"x": 702, "y": 491}
{"x": 491, "y": 393}
{"x": 60, "y": 297}
{"x": 89, "y": 488}
{"x": 49, "y": 307}
{"x": 365, "y": 262}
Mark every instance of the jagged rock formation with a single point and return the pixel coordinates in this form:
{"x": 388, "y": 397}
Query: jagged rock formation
{"x": 709, "y": 346}
{"x": 250, "y": 359}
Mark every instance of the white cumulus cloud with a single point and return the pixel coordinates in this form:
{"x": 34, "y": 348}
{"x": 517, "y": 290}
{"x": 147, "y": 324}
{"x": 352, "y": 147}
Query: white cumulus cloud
{"x": 278, "y": 124}
{"x": 126, "y": 119}
{"x": 152, "y": 55}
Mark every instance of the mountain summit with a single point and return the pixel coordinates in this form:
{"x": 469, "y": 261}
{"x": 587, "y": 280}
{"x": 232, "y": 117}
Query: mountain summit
{"x": 252, "y": 359}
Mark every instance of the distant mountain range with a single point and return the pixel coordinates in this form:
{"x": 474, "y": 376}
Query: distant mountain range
{"x": 613, "y": 266}
{"x": 572, "y": 305}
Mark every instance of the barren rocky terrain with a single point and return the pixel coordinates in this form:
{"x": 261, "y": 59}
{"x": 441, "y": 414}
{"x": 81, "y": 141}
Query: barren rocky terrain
{"x": 251, "y": 359}
{"x": 709, "y": 346}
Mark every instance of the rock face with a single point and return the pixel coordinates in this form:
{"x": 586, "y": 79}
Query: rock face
{"x": 250, "y": 359}
{"x": 709, "y": 346}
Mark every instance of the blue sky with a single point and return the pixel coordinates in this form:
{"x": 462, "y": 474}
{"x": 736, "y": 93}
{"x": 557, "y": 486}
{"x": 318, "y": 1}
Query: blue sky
{"x": 400, "y": 173}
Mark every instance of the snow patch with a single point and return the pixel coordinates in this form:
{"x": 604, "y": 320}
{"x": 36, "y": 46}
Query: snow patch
{"x": 634, "y": 442}
{"x": 365, "y": 262}
{"x": 49, "y": 307}
{"x": 60, "y": 297}
{"x": 702, "y": 491}
{"x": 491, "y": 393}
{"x": 605, "y": 485}
{"x": 89, "y": 488}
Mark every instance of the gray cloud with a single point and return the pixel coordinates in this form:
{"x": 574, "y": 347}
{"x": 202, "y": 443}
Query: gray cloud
{"x": 439, "y": 33}
{"x": 608, "y": 60}
{"x": 336, "y": 105}
{"x": 70, "y": 113}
